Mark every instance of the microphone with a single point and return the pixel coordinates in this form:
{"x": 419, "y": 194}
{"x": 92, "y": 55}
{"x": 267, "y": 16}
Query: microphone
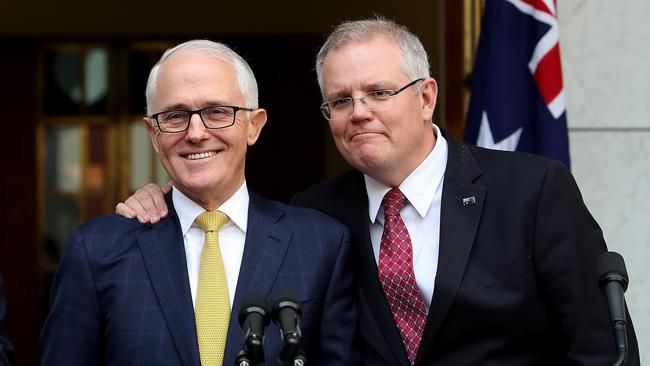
{"x": 253, "y": 319}
{"x": 613, "y": 282}
{"x": 286, "y": 313}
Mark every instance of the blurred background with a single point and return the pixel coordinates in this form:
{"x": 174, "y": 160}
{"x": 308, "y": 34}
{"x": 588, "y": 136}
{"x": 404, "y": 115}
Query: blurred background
{"x": 73, "y": 75}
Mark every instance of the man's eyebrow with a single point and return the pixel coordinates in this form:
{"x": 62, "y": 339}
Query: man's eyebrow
{"x": 185, "y": 107}
{"x": 174, "y": 107}
{"x": 213, "y": 102}
{"x": 337, "y": 95}
{"x": 377, "y": 85}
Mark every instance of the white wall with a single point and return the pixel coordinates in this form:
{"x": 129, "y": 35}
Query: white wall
{"x": 605, "y": 48}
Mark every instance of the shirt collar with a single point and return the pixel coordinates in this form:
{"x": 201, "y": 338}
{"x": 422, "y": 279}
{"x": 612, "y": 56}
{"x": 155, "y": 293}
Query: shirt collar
{"x": 236, "y": 207}
{"x": 419, "y": 187}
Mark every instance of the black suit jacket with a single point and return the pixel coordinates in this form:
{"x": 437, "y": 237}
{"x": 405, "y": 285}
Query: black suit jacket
{"x": 517, "y": 280}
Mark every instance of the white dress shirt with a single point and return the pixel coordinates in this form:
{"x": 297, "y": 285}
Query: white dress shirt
{"x": 232, "y": 236}
{"x": 421, "y": 214}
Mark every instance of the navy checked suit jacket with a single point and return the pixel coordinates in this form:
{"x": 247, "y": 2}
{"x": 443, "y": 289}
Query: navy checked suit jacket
{"x": 121, "y": 294}
{"x": 6, "y": 350}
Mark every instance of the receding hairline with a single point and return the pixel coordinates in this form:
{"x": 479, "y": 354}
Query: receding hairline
{"x": 205, "y": 53}
{"x": 392, "y": 40}
{"x": 164, "y": 64}
{"x": 414, "y": 58}
{"x": 365, "y": 37}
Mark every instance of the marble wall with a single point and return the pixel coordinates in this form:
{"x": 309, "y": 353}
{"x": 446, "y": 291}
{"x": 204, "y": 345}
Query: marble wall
{"x": 605, "y": 48}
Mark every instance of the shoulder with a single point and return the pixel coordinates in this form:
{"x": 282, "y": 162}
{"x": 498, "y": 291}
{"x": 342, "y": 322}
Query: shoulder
{"x": 111, "y": 225}
{"x": 489, "y": 157}
{"x": 348, "y": 179}
{"x": 106, "y": 234}
{"x": 502, "y": 165}
{"x": 331, "y": 190}
{"x": 297, "y": 216}
{"x": 306, "y": 225}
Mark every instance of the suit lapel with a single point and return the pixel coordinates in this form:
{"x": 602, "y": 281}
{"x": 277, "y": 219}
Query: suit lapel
{"x": 355, "y": 215}
{"x": 267, "y": 240}
{"x": 163, "y": 252}
{"x": 461, "y": 207}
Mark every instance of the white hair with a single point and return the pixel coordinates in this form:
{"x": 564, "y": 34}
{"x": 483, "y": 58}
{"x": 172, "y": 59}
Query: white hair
{"x": 245, "y": 76}
{"x": 415, "y": 63}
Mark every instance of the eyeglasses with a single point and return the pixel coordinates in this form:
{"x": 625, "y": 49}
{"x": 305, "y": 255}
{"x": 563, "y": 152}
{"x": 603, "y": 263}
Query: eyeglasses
{"x": 376, "y": 100}
{"x": 213, "y": 117}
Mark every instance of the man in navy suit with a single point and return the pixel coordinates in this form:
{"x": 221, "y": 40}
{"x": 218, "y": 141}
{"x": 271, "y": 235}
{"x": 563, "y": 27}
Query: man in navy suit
{"x": 125, "y": 293}
{"x": 500, "y": 250}
{"x": 6, "y": 349}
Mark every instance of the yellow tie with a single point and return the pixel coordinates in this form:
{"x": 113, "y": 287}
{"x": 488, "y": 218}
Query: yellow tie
{"x": 212, "y": 299}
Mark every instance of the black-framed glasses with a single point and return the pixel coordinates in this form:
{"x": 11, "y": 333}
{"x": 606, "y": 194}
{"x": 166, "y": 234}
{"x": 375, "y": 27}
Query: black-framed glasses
{"x": 376, "y": 100}
{"x": 213, "y": 117}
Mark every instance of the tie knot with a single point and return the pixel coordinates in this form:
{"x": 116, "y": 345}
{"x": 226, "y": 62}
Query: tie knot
{"x": 393, "y": 202}
{"x": 211, "y": 220}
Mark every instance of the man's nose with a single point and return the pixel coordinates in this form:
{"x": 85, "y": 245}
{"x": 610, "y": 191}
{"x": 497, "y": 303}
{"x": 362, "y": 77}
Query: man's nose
{"x": 196, "y": 129}
{"x": 360, "y": 109}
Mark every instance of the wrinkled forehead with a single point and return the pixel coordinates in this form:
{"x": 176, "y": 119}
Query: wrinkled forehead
{"x": 386, "y": 42}
{"x": 192, "y": 76}
{"x": 188, "y": 64}
{"x": 361, "y": 65}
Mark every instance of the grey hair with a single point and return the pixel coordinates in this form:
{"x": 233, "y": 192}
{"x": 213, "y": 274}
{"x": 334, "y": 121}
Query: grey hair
{"x": 245, "y": 76}
{"x": 415, "y": 63}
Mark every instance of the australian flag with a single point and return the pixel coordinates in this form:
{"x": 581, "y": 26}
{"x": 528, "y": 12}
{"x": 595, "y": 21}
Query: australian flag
{"x": 517, "y": 100}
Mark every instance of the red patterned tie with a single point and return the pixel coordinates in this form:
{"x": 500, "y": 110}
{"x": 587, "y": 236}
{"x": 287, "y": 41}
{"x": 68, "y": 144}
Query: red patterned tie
{"x": 397, "y": 277}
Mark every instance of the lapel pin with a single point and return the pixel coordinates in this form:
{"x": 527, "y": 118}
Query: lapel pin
{"x": 468, "y": 201}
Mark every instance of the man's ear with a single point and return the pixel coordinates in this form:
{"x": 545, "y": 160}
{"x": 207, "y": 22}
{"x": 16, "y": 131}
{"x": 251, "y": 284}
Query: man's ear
{"x": 257, "y": 122}
{"x": 429, "y": 97}
{"x": 151, "y": 130}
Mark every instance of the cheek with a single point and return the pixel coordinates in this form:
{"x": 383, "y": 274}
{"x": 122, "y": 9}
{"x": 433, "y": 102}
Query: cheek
{"x": 166, "y": 144}
{"x": 160, "y": 143}
{"x": 337, "y": 128}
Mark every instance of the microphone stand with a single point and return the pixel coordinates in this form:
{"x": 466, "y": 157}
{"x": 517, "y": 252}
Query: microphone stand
{"x": 613, "y": 282}
{"x": 250, "y": 356}
{"x": 622, "y": 349}
{"x": 297, "y": 359}
{"x": 291, "y": 355}
{"x": 617, "y": 306}
{"x": 242, "y": 358}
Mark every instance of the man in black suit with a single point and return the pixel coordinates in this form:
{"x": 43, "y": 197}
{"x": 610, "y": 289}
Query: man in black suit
{"x": 478, "y": 257}
{"x": 6, "y": 350}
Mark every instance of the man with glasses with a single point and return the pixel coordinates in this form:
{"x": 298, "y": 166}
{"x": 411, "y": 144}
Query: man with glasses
{"x": 463, "y": 256}
{"x": 169, "y": 294}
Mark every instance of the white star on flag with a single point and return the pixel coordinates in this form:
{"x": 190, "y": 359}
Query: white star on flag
{"x": 485, "y": 138}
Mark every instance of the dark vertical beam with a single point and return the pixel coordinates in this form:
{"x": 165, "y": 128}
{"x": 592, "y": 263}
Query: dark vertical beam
{"x": 19, "y": 252}
{"x": 453, "y": 69}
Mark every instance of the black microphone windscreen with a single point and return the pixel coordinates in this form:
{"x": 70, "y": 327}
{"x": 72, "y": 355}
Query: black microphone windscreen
{"x": 252, "y": 303}
{"x": 612, "y": 268}
{"x": 284, "y": 295}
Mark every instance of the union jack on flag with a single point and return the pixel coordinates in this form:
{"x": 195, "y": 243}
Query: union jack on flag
{"x": 517, "y": 100}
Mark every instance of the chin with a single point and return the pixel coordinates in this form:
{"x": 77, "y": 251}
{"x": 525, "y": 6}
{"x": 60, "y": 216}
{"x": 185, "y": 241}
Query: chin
{"x": 199, "y": 185}
{"x": 365, "y": 163}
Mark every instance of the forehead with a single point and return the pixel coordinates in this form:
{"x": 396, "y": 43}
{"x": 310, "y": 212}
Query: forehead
{"x": 193, "y": 78}
{"x": 357, "y": 64}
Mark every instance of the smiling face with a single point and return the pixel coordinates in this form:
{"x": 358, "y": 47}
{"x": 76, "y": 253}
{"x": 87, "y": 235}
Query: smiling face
{"x": 386, "y": 145}
{"x": 206, "y": 165}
